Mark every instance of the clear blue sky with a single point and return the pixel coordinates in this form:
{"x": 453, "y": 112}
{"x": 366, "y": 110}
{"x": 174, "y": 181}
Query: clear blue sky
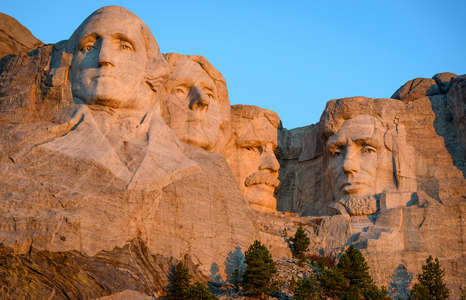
{"x": 289, "y": 56}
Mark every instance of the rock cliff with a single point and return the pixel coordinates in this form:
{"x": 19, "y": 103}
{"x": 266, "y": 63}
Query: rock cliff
{"x": 100, "y": 198}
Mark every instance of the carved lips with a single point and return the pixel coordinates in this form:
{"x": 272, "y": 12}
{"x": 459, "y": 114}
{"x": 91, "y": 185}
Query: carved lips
{"x": 353, "y": 187}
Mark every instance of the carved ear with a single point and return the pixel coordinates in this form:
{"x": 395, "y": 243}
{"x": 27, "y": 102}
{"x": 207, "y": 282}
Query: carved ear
{"x": 157, "y": 74}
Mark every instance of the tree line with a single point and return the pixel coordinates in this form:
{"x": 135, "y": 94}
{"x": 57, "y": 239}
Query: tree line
{"x": 349, "y": 279}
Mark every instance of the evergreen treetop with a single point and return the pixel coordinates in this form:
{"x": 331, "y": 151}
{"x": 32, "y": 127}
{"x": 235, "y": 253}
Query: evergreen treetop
{"x": 300, "y": 242}
{"x": 308, "y": 289}
{"x": 431, "y": 285}
{"x": 179, "y": 287}
{"x": 199, "y": 291}
{"x": 258, "y": 276}
{"x": 178, "y": 283}
{"x": 354, "y": 268}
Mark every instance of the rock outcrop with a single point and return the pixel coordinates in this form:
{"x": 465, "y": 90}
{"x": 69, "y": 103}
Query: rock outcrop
{"x": 14, "y": 39}
{"x": 99, "y": 197}
{"x": 421, "y": 214}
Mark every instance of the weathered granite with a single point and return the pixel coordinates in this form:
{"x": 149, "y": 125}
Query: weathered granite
{"x": 15, "y": 39}
{"x": 250, "y": 154}
{"x": 99, "y": 197}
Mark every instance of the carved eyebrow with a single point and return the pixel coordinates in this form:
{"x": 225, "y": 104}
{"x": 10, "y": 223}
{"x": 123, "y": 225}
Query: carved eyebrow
{"x": 368, "y": 141}
{"x": 248, "y": 143}
{"x": 124, "y": 37}
{"x": 335, "y": 144}
{"x": 92, "y": 36}
{"x": 206, "y": 84}
{"x": 88, "y": 37}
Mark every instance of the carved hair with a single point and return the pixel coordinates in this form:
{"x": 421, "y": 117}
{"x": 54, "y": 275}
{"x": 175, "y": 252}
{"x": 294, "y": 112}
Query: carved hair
{"x": 254, "y": 112}
{"x": 338, "y": 111}
{"x": 157, "y": 71}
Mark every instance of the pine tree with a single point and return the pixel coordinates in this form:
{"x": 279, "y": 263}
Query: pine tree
{"x": 300, "y": 242}
{"x": 431, "y": 285}
{"x": 293, "y": 284}
{"x": 285, "y": 233}
{"x": 199, "y": 291}
{"x": 308, "y": 289}
{"x": 257, "y": 277}
{"x": 374, "y": 293}
{"x": 463, "y": 293}
{"x": 332, "y": 281}
{"x": 354, "y": 268}
{"x": 179, "y": 283}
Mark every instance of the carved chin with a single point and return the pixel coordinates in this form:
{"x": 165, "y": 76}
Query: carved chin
{"x": 260, "y": 197}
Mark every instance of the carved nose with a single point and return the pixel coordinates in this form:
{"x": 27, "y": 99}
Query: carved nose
{"x": 269, "y": 161}
{"x": 106, "y": 53}
{"x": 199, "y": 100}
{"x": 350, "y": 165}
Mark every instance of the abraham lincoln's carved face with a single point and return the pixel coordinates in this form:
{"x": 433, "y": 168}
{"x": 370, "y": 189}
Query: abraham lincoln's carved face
{"x": 360, "y": 165}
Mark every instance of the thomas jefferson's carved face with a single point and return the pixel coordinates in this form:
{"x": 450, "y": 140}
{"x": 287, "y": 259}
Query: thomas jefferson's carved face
{"x": 253, "y": 162}
{"x": 360, "y": 165}
{"x": 191, "y": 107}
{"x": 109, "y": 65}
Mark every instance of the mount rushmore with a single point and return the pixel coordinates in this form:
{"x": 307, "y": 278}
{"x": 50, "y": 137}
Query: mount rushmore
{"x": 118, "y": 161}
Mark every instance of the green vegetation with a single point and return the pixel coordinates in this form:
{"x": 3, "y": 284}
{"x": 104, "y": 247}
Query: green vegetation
{"x": 179, "y": 287}
{"x": 332, "y": 281}
{"x": 300, "y": 242}
{"x": 260, "y": 268}
{"x": 348, "y": 280}
{"x": 293, "y": 284}
{"x": 308, "y": 289}
{"x": 199, "y": 291}
{"x": 430, "y": 285}
{"x": 463, "y": 293}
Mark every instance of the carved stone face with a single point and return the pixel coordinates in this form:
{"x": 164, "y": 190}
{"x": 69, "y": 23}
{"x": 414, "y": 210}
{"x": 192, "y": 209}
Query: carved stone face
{"x": 191, "y": 107}
{"x": 254, "y": 164}
{"x": 359, "y": 165}
{"x": 109, "y": 64}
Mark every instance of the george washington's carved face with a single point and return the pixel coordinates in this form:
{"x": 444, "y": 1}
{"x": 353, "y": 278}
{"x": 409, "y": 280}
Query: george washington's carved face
{"x": 191, "y": 106}
{"x": 360, "y": 165}
{"x": 109, "y": 64}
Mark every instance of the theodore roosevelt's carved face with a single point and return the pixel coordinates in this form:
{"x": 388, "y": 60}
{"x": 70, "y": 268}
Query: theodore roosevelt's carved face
{"x": 252, "y": 159}
{"x": 109, "y": 64}
{"x": 191, "y": 106}
{"x": 359, "y": 165}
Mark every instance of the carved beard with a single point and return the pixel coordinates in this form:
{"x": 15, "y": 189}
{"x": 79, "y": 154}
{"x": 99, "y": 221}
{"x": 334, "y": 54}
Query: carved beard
{"x": 360, "y": 206}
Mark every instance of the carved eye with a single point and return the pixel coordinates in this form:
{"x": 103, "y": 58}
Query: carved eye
{"x": 87, "y": 47}
{"x": 337, "y": 153}
{"x": 253, "y": 149}
{"x": 368, "y": 150}
{"x": 178, "y": 91}
{"x": 126, "y": 47}
{"x": 210, "y": 95}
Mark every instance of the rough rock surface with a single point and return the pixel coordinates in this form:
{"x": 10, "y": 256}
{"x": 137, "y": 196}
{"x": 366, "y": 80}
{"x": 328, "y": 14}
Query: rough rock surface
{"x": 14, "y": 39}
{"x": 431, "y": 220}
{"x": 59, "y": 196}
{"x": 89, "y": 209}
